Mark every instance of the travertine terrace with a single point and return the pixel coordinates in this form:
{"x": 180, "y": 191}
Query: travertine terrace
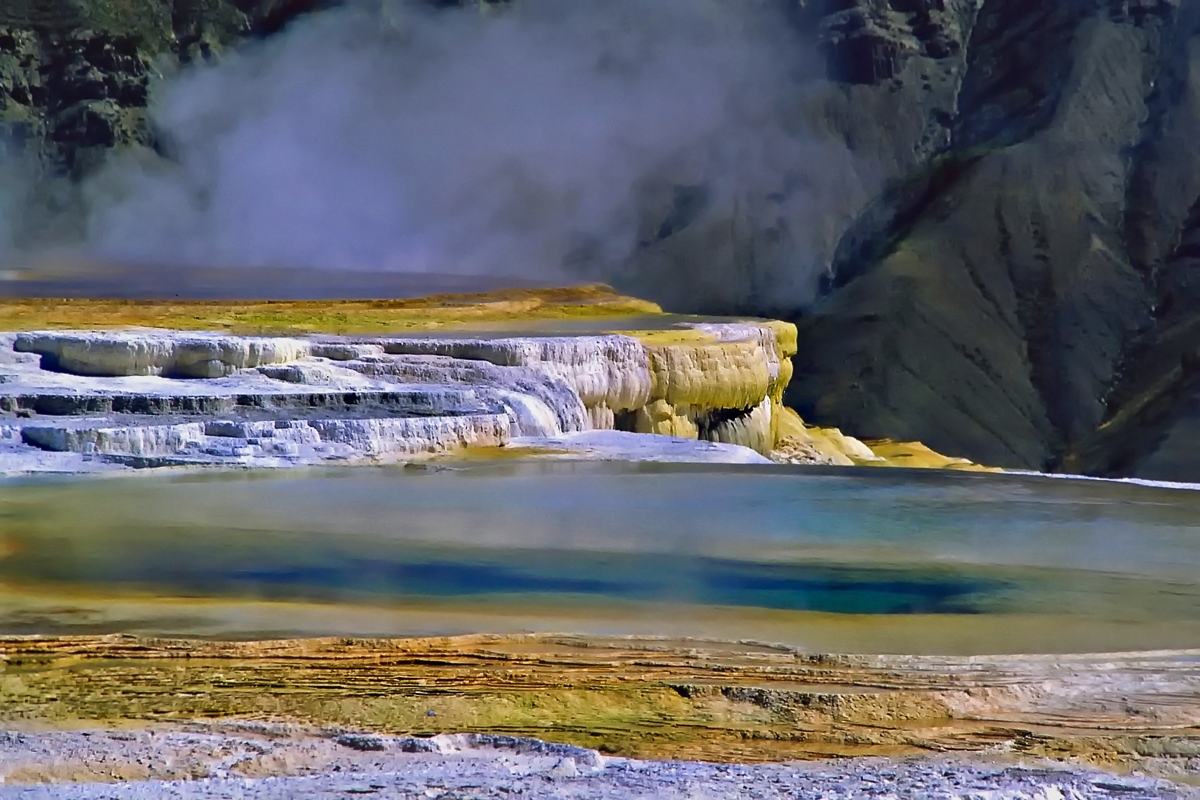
{"x": 580, "y": 372}
{"x": 165, "y": 397}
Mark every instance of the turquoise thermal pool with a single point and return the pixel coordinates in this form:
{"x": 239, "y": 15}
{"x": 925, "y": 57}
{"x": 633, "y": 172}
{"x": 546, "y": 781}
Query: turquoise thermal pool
{"x": 854, "y": 560}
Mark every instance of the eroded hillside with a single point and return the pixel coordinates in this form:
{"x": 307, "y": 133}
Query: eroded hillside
{"x": 992, "y": 300}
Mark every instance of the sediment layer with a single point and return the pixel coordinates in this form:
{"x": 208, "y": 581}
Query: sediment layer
{"x": 519, "y": 308}
{"x": 630, "y": 697}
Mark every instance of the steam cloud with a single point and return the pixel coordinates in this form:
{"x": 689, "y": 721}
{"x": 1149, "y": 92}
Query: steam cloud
{"x": 655, "y": 144}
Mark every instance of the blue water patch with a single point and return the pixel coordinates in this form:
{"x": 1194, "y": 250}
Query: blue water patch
{"x": 435, "y": 579}
{"x": 635, "y": 576}
{"x": 849, "y": 591}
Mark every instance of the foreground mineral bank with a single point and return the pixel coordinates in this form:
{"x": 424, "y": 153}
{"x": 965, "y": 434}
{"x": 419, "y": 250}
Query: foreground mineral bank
{"x": 467, "y": 717}
{"x": 75, "y": 399}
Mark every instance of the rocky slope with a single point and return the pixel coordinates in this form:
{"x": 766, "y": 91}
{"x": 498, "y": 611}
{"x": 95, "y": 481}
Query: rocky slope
{"x": 1020, "y": 290}
{"x": 1009, "y": 278}
{"x": 992, "y": 300}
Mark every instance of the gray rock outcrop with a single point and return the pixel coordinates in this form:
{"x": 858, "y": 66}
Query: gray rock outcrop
{"x": 1018, "y": 292}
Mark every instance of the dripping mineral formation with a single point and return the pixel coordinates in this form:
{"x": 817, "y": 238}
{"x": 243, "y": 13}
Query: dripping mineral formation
{"x": 136, "y": 396}
{"x": 166, "y": 397}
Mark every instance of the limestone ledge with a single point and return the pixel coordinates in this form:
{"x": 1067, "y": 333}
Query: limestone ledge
{"x": 79, "y": 400}
{"x": 159, "y": 397}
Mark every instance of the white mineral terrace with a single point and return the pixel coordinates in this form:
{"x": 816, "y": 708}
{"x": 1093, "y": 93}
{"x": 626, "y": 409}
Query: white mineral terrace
{"x": 94, "y": 400}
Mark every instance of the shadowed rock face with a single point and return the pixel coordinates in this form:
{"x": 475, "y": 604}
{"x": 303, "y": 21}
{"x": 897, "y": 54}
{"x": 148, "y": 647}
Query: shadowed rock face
{"x": 1022, "y": 276}
{"x": 1012, "y": 293}
{"x": 1008, "y": 258}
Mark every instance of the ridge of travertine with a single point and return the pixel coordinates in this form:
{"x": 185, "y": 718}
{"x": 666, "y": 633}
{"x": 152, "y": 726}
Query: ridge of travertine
{"x": 151, "y": 397}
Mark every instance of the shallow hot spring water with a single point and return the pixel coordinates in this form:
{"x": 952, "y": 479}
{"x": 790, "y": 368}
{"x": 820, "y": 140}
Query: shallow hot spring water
{"x": 866, "y": 560}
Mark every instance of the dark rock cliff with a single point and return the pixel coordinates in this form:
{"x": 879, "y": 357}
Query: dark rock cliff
{"x": 1019, "y": 285}
{"x": 1023, "y": 295}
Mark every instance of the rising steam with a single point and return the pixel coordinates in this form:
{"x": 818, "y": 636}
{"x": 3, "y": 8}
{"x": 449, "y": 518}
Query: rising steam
{"x": 657, "y": 144}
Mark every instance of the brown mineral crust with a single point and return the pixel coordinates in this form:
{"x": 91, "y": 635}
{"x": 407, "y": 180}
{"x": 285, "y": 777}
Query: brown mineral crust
{"x": 281, "y": 317}
{"x": 655, "y": 698}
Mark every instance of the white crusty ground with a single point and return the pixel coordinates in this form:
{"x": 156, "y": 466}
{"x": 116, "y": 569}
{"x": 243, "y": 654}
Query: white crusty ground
{"x": 273, "y": 764}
